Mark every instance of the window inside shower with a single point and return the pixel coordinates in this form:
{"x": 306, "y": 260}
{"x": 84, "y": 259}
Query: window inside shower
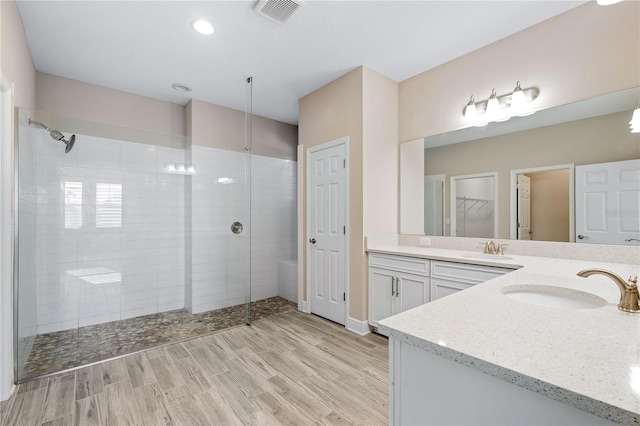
{"x": 125, "y": 243}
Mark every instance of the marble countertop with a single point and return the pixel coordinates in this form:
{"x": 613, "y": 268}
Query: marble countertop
{"x": 587, "y": 358}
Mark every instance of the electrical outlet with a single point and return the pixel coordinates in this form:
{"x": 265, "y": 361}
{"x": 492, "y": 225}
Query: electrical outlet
{"x": 425, "y": 241}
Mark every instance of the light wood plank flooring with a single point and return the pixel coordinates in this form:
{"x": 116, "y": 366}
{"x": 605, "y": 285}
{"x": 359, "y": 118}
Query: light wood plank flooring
{"x": 290, "y": 368}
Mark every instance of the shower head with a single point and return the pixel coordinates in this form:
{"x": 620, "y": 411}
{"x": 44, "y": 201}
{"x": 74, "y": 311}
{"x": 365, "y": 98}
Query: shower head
{"x": 69, "y": 143}
{"x": 57, "y": 135}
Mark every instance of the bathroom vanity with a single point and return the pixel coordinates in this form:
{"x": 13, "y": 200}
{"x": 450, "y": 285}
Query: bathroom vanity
{"x": 533, "y": 343}
{"x": 400, "y": 283}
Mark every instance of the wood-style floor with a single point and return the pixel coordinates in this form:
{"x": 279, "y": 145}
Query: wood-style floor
{"x": 289, "y": 368}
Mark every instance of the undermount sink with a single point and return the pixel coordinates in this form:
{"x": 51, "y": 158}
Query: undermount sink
{"x": 486, "y": 256}
{"x": 553, "y": 297}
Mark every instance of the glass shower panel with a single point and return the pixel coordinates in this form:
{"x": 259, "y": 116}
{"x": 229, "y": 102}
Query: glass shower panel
{"x": 124, "y": 243}
{"x": 100, "y": 243}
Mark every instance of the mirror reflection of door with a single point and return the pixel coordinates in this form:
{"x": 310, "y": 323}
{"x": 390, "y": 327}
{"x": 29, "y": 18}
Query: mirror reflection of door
{"x": 434, "y": 205}
{"x": 543, "y": 207}
{"x": 524, "y": 207}
{"x": 608, "y": 203}
{"x": 474, "y": 205}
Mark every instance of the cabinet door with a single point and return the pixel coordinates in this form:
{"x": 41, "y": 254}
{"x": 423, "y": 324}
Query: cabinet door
{"x": 413, "y": 290}
{"x": 441, "y": 288}
{"x": 380, "y": 298}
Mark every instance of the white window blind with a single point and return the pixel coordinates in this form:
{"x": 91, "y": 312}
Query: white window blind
{"x": 108, "y": 205}
{"x": 72, "y": 205}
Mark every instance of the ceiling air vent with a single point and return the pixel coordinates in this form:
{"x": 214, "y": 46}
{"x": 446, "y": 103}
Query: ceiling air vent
{"x": 278, "y": 10}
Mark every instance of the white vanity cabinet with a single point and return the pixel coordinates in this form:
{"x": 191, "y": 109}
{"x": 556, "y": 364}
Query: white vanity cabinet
{"x": 450, "y": 277}
{"x": 396, "y": 283}
{"x": 429, "y": 389}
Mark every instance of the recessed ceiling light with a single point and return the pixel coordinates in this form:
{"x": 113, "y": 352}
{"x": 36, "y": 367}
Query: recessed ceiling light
{"x": 203, "y": 27}
{"x": 181, "y": 87}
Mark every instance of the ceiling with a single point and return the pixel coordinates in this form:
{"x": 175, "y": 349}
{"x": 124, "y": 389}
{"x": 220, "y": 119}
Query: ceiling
{"x": 143, "y": 47}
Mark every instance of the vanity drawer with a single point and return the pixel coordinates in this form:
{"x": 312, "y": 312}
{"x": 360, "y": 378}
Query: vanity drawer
{"x": 412, "y": 265}
{"x": 463, "y": 273}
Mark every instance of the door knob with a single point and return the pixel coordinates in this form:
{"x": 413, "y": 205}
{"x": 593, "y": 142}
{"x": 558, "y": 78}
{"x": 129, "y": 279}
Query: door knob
{"x": 582, "y": 237}
{"x": 312, "y": 240}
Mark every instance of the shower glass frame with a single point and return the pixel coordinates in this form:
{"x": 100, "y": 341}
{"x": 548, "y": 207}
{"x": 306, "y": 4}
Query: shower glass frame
{"x": 248, "y": 145}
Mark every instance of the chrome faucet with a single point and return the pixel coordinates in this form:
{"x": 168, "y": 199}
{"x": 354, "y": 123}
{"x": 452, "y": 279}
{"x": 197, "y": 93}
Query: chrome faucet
{"x": 628, "y": 291}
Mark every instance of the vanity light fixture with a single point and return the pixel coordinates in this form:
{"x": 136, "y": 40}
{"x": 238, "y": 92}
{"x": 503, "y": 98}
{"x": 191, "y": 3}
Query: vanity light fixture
{"x": 203, "y": 27}
{"x": 634, "y": 124}
{"x": 500, "y": 108}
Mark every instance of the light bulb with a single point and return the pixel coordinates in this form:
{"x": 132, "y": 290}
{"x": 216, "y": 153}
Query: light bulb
{"x": 470, "y": 111}
{"x": 634, "y": 124}
{"x": 517, "y": 99}
{"x": 493, "y": 106}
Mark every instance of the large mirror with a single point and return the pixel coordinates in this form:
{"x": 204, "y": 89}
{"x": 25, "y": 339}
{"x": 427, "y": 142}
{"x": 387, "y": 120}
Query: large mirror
{"x": 542, "y": 150}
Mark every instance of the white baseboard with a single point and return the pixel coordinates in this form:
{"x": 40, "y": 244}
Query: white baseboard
{"x": 358, "y": 327}
{"x": 304, "y": 307}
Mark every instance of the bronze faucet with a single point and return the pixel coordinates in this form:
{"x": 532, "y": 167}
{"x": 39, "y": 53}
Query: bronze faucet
{"x": 491, "y": 248}
{"x": 628, "y": 291}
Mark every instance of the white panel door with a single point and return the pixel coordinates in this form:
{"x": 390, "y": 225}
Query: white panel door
{"x": 524, "y": 207}
{"x": 608, "y": 203}
{"x": 327, "y": 229}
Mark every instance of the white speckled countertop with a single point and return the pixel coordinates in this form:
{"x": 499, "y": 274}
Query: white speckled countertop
{"x": 587, "y": 358}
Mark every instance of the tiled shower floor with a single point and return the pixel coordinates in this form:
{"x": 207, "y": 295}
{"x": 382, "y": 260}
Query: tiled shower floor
{"x": 61, "y": 350}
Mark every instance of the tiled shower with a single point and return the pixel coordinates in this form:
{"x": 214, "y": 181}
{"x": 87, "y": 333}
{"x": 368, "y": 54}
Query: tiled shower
{"x": 117, "y": 230}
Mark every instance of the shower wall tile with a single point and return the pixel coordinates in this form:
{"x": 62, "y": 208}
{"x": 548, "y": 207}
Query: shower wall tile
{"x": 168, "y": 243}
{"x": 85, "y": 271}
{"x": 217, "y": 259}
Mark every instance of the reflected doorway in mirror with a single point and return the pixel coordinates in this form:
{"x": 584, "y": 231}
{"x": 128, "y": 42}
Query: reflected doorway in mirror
{"x": 550, "y": 201}
{"x": 474, "y": 205}
{"x": 434, "y": 205}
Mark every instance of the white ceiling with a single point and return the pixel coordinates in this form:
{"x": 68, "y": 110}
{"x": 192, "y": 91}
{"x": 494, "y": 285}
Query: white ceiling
{"x": 143, "y": 47}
